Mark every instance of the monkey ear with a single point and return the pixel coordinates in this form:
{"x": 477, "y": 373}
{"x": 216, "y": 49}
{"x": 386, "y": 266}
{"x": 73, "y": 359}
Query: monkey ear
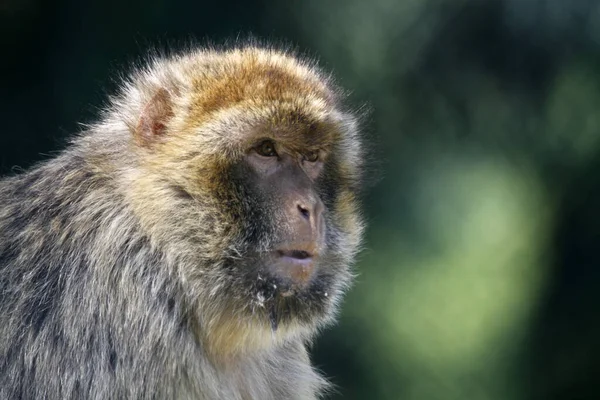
{"x": 153, "y": 120}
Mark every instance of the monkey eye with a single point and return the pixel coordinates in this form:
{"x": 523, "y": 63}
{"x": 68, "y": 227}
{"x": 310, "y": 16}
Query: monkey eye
{"x": 266, "y": 149}
{"x": 312, "y": 156}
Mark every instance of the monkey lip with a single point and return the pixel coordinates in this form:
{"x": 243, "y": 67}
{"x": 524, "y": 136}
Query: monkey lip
{"x": 300, "y": 256}
{"x": 295, "y": 267}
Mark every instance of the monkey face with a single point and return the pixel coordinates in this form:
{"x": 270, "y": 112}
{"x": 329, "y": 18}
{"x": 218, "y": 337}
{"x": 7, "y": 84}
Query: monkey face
{"x": 285, "y": 182}
{"x": 292, "y": 261}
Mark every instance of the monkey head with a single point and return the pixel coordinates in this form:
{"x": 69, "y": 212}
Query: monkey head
{"x": 247, "y": 170}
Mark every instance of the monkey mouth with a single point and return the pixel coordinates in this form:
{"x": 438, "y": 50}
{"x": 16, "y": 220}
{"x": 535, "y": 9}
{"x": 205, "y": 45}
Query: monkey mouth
{"x": 294, "y": 268}
{"x": 300, "y": 256}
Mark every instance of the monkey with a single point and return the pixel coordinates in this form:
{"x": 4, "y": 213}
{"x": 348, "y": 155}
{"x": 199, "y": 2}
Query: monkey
{"x": 192, "y": 242}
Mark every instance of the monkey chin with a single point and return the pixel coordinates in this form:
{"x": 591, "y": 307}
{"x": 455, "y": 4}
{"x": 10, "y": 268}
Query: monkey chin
{"x": 291, "y": 292}
{"x": 276, "y": 310}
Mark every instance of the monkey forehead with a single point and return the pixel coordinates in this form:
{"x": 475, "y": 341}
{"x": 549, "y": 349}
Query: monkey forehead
{"x": 254, "y": 78}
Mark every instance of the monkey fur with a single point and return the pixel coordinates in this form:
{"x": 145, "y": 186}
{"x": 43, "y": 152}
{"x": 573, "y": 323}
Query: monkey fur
{"x": 128, "y": 265}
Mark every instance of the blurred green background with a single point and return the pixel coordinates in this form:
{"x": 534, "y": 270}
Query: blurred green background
{"x": 480, "y": 274}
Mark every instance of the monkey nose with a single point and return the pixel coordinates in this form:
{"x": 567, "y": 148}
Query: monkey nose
{"x": 311, "y": 211}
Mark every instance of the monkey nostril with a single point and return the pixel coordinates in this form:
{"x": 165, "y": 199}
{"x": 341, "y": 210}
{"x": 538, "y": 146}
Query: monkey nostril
{"x": 304, "y": 211}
